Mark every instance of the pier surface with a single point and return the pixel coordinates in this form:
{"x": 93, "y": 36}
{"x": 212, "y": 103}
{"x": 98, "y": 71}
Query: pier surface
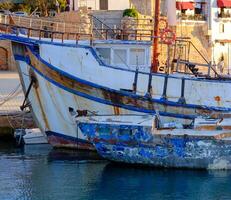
{"x": 11, "y": 94}
{"x": 11, "y": 98}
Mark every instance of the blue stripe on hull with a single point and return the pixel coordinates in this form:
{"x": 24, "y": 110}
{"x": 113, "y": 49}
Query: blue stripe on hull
{"x": 135, "y": 96}
{"x": 128, "y": 107}
{"x": 98, "y": 100}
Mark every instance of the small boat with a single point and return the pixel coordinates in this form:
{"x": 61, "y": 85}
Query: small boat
{"x": 30, "y": 136}
{"x": 34, "y": 136}
{"x": 144, "y": 140}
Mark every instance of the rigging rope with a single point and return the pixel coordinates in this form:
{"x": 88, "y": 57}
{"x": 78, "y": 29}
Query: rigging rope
{"x": 13, "y": 94}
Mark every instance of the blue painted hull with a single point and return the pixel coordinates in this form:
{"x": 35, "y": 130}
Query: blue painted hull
{"x": 137, "y": 145}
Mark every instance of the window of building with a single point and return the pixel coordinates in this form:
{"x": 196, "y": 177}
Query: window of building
{"x": 198, "y": 8}
{"x": 103, "y": 4}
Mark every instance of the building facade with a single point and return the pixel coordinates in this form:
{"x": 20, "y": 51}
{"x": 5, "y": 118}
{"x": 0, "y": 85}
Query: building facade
{"x": 143, "y": 6}
{"x": 216, "y": 17}
{"x": 100, "y": 4}
{"x": 220, "y": 31}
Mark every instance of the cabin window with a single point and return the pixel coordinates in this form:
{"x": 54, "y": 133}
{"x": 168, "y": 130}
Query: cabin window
{"x": 120, "y": 57}
{"x": 105, "y": 54}
{"x": 137, "y": 57}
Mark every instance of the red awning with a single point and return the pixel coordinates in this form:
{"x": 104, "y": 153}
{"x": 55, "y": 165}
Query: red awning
{"x": 184, "y": 5}
{"x": 224, "y": 3}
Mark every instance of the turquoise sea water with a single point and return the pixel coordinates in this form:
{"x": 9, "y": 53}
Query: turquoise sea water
{"x": 42, "y": 173}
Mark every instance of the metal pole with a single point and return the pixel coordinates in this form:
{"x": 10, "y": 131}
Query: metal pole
{"x": 155, "y": 61}
{"x": 168, "y": 60}
{"x": 228, "y": 60}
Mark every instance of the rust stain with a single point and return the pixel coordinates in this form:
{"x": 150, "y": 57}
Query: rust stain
{"x": 217, "y": 98}
{"x": 42, "y": 110}
{"x": 116, "y": 110}
{"x": 212, "y": 127}
{"x": 114, "y": 97}
{"x": 223, "y": 136}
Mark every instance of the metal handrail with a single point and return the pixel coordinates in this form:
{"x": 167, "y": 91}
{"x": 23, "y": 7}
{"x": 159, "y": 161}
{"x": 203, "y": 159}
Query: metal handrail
{"x": 43, "y": 33}
{"x": 8, "y": 28}
{"x": 187, "y": 62}
{"x": 52, "y": 27}
{"x": 41, "y": 23}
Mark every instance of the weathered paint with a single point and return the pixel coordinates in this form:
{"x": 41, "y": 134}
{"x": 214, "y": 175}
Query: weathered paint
{"x": 137, "y": 144}
{"x": 71, "y": 76}
{"x": 116, "y": 98}
{"x": 63, "y": 141}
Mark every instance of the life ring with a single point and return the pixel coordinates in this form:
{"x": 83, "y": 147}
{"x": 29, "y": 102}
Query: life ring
{"x": 168, "y": 36}
{"x": 163, "y": 24}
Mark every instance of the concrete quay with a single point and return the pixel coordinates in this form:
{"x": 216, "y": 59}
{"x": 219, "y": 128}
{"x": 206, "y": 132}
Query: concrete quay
{"x": 11, "y": 98}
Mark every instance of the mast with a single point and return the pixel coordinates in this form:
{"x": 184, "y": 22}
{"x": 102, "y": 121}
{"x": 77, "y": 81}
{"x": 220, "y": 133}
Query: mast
{"x": 155, "y": 61}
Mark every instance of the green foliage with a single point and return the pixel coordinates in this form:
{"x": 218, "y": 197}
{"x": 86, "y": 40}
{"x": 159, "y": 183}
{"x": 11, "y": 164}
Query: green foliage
{"x": 43, "y": 5}
{"x": 62, "y": 4}
{"x": 131, "y": 12}
{"x": 30, "y": 5}
{"x": 26, "y": 8}
{"x": 6, "y": 5}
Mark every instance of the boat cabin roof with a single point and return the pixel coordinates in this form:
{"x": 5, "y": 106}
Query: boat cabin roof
{"x": 122, "y": 42}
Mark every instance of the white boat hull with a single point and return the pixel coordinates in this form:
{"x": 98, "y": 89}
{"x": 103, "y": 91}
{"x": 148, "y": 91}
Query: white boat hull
{"x": 51, "y": 99}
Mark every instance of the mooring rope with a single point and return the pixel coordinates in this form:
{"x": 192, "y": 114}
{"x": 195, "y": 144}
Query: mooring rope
{"x": 14, "y": 93}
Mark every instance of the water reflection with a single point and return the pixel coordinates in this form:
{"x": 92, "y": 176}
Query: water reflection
{"x": 40, "y": 172}
{"x": 147, "y": 183}
{"x": 73, "y": 155}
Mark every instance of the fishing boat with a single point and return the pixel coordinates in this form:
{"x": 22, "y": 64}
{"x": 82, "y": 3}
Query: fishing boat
{"x": 144, "y": 140}
{"x": 61, "y": 85}
{"x": 71, "y": 74}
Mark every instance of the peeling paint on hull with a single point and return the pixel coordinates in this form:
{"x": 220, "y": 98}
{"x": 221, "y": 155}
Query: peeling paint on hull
{"x": 118, "y": 98}
{"x": 138, "y": 145}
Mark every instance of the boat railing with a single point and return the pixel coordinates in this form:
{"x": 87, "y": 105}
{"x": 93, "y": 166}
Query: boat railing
{"x": 77, "y": 36}
{"x": 51, "y": 30}
{"x": 128, "y": 34}
{"x": 119, "y": 22}
{"x": 93, "y": 27}
{"x": 41, "y": 23}
{"x": 44, "y": 34}
{"x": 186, "y": 46}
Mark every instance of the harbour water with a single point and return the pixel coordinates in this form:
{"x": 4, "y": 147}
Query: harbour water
{"x": 39, "y": 172}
